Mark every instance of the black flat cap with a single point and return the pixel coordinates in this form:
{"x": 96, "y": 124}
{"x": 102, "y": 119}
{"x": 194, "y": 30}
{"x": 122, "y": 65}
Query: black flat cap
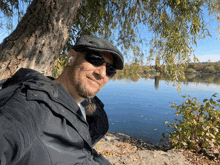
{"x": 89, "y": 42}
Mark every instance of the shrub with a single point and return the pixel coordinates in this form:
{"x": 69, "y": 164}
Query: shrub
{"x": 209, "y": 69}
{"x": 199, "y": 67}
{"x": 191, "y": 66}
{"x": 189, "y": 70}
{"x": 199, "y": 127}
{"x": 217, "y": 67}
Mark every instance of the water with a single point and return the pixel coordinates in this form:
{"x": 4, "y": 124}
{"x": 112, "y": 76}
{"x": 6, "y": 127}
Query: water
{"x": 138, "y": 110}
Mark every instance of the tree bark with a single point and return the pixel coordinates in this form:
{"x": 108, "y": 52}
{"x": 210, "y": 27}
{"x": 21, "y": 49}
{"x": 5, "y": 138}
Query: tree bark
{"x": 39, "y": 37}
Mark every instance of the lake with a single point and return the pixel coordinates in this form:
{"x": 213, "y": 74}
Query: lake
{"x": 139, "y": 110}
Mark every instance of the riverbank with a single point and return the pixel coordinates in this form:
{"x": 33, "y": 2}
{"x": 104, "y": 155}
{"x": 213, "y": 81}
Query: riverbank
{"x": 120, "y": 149}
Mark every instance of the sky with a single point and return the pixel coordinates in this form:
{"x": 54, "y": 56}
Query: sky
{"x": 209, "y": 48}
{"x": 206, "y": 49}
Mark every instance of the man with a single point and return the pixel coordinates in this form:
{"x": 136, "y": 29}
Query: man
{"x": 46, "y": 122}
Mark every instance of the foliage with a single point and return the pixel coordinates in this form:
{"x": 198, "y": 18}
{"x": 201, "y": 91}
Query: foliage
{"x": 199, "y": 127}
{"x": 59, "y": 65}
{"x": 123, "y": 73}
{"x": 10, "y": 8}
{"x": 189, "y": 76}
{"x": 216, "y": 80}
{"x": 136, "y": 69}
{"x": 203, "y": 78}
{"x": 145, "y": 72}
{"x": 191, "y": 66}
{"x": 189, "y": 70}
{"x": 161, "y": 68}
{"x": 199, "y": 67}
{"x": 217, "y": 67}
{"x": 146, "y": 69}
{"x": 157, "y": 63}
{"x": 175, "y": 26}
{"x": 209, "y": 69}
{"x": 61, "y": 61}
{"x": 133, "y": 72}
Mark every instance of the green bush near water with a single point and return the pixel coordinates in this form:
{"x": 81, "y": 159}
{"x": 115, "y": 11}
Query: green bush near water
{"x": 209, "y": 69}
{"x": 199, "y": 127}
{"x": 189, "y": 70}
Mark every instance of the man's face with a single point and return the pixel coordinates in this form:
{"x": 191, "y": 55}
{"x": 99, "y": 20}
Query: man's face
{"x": 88, "y": 79}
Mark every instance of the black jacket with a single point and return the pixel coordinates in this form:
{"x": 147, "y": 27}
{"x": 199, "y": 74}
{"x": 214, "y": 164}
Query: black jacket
{"x": 41, "y": 124}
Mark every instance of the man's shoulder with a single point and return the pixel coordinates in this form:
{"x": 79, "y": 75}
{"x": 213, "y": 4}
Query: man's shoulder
{"x": 16, "y": 92}
{"x": 25, "y": 75}
{"x": 31, "y": 79}
{"x": 14, "y": 98}
{"x": 7, "y": 93}
{"x": 16, "y": 108}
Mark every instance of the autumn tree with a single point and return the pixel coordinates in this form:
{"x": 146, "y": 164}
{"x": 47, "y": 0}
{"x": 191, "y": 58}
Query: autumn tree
{"x": 49, "y": 26}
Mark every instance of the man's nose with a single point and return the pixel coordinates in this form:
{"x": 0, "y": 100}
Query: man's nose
{"x": 101, "y": 70}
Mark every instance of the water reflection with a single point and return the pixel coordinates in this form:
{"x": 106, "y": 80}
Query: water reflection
{"x": 156, "y": 82}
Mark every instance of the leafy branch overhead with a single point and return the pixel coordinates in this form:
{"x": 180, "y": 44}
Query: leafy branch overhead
{"x": 175, "y": 26}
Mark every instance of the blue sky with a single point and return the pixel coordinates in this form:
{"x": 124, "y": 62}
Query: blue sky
{"x": 208, "y": 48}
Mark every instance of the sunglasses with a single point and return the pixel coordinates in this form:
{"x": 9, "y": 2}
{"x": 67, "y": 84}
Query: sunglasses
{"x": 95, "y": 59}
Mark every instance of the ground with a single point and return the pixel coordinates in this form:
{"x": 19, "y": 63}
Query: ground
{"x": 121, "y": 149}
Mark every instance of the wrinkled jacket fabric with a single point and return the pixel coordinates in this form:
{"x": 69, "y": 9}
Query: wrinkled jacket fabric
{"x": 41, "y": 124}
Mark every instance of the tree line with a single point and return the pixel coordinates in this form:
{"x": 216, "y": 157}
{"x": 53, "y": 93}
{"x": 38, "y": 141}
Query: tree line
{"x": 210, "y": 67}
{"x": 135, "y": 70}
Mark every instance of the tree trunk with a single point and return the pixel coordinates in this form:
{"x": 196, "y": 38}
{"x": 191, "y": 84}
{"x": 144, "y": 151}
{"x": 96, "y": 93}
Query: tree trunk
{"x": 39, "y": 37}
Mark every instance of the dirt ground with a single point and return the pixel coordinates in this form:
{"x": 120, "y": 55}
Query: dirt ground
{"x": 121, "y": 149}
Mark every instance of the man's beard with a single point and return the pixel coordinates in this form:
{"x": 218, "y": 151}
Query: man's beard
{"x": 83, "y": 92}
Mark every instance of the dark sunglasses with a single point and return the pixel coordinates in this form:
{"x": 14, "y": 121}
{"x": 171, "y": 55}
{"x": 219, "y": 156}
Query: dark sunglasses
{"x": 95, "y": 59}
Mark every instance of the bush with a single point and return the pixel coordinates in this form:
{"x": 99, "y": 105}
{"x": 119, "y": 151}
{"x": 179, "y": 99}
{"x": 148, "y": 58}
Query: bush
{"x": 189, "y": 70}
{"x": 199, "y": 127}
{"x": 209, "y": 69}
{"x": 217, "y": 67}
{"x": 199, "y": 67}
{"x": 191, "y": 66}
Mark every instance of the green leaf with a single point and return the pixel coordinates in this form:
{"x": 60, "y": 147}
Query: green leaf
{"x": 214, "y": 95}
{"x": 171, "y": 125}
{"x": 212, "y": 102}
{"x": 166, "y": 122}
{"x": 205, "y": 100}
